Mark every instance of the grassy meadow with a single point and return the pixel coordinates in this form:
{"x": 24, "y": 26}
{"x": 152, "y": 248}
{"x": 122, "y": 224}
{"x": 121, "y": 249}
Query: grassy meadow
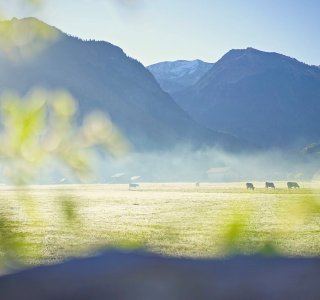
{"x": 53, "y": 222}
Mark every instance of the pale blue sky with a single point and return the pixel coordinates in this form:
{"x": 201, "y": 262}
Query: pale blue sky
{"x": 158, "y": 30}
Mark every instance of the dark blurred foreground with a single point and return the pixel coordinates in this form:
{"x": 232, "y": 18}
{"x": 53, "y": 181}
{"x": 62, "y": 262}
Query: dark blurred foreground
{"x": 138, "y": 275}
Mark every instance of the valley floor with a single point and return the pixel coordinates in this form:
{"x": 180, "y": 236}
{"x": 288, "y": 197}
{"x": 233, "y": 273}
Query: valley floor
{"x": 180, "y": 219}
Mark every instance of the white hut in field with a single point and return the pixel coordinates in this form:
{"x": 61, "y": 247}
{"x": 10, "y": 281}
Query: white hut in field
{"x": 223, "y": 174}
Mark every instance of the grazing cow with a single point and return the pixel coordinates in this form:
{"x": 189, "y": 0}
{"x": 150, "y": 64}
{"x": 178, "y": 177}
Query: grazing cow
{"x": 249, "y": 186}
{"x": 292, "y": 184}
{"x": 270, "y": 185}
{"x": 197, "y": 184}
{"x": 133, "y": 185}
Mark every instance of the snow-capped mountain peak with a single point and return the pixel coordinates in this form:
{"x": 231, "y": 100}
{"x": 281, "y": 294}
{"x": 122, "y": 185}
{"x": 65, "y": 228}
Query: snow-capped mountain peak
{"x": 177, "y": 75}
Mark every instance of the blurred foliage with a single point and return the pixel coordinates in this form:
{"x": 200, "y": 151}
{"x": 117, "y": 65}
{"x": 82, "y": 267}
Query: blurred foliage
{"x": 69, "y": 211}
{"x": 234, "y": 232}
{"x": 35, "y": 3}
{"x": 237, "y": 234}
{"x": 24, "y": 40}
{"x": 11, "y": 242}
{"x": 41, "y": 131}
{"x": 42, "y": 127}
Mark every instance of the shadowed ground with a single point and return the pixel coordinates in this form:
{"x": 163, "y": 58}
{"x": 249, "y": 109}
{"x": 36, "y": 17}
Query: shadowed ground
{"x": 139, "y": 276}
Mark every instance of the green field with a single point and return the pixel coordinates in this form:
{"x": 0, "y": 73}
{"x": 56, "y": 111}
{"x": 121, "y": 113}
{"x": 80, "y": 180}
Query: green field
{"x": 173, "y": 219}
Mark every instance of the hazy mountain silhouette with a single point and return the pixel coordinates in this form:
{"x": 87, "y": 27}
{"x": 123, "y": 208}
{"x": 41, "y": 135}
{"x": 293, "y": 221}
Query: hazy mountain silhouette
{"x": 174, "y": 76}
{"x": 267, "y": 98}
{"x": 102, "y": 77}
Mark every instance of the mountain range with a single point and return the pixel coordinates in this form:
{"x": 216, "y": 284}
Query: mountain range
{"x": 248, "y": 97}
{"x": 102, "y": 77}
{"x": 265, "y": 98}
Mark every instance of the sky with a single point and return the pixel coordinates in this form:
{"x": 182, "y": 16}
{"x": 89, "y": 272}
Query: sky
{"x": 164, "y": 30}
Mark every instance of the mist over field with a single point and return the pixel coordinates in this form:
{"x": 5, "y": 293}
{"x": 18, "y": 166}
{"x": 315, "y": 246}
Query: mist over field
{"x": 183, "y": 164}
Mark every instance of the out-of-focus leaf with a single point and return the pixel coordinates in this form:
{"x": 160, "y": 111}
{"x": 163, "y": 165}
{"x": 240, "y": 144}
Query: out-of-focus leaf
{"x": 23, "y": 39}
{"x": 69, "y": 210}
{"x": 42, "y": 127}
{"x": 12, "y": 243}
{"x": 98, "y": 129}
{"x": 269, "y": 249}
{"x": 234, "y": 233}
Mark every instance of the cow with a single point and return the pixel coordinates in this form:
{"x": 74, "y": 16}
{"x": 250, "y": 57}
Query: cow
{"x": 249, "y": 186}
{"x": 133, "y": 185}
{"x": 292, "y": 184}
{"x": 270, "y": 185}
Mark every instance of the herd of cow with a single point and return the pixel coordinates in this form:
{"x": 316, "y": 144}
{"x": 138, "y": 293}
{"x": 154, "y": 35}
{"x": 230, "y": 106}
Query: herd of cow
{"x": 249, "y": 185}
{"x": 290, "y": 185}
